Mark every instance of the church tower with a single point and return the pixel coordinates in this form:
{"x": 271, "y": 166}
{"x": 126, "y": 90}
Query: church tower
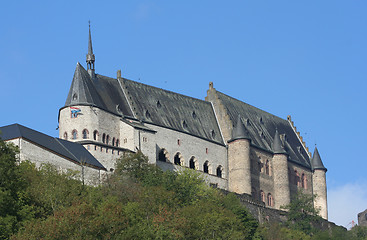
{"x": 239, "y": 164}
{"x": 90, "y": 56}
{"x": 319, "y": 184}
{"x": 281, "y": 179}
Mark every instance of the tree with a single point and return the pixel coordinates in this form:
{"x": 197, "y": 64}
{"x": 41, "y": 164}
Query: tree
{"x": 301, "y": 213}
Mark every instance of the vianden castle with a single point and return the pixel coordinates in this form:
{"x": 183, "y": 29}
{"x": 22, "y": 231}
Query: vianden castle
{"x": 237, "y": 147}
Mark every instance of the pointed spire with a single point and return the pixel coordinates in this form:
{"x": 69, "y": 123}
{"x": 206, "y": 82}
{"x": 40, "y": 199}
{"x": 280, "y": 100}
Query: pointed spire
{"x": 277, "y": 144}
{"x": 90, "y": 55}
{"x": 316, "y": 161}
{"x": 239, "y": 131}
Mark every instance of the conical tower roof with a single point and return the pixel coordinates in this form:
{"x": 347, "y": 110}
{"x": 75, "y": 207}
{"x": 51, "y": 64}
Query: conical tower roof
{"x": 277, "y": 144}
{"x": 239, "y": 131}
{"x": 82, "y": 90}
{"x": 90, "y": 56}
{"x": 316, "y": 161}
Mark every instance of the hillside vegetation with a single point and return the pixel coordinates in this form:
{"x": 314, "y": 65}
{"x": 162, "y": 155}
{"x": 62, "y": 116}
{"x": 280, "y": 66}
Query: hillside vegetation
{"x": 138, "y": 201}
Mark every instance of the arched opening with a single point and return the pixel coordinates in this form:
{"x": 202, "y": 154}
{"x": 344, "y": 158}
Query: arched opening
{"x": 297, "y": 178}
{"x": 219, "y": 171}
{"x": 192, "y": 163}
{"x": 206, "y": 167}
{"x": 267, "y": 168}
{"x": 85, "y": 134}
{"x": 304, "y": 181}
{"x": 177, "y": 159}
{"x": 117, "y": 142}
{"x": 270, "y": 200}
{"x": 162, "y": 155}
{"x": 103, "y": 137}
{"x": 65, "y": 135}
{"x": 95, "y": 135}
{"x": 107, "y": 139}
{"x": 262, "y": 196}
{"x": 113, "y": 141}
{"x": 74, "y": 134}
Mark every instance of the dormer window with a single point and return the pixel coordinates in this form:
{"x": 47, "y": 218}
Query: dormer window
{"x": 212, "y": 134}
{"x": 147, "y": 114}
{"x": 184, "y": 124}
{"x": 159, "y": 105}
{"x": 194, "y": 115}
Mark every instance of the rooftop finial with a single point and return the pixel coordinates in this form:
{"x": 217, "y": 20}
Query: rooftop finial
{"x": 90, "y": 55}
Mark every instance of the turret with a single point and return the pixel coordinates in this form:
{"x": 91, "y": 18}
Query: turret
{"x": 239, "y": 164}
{"x": 319, "y": 184}
{"x": 280, "y": 169}
{"x": 90, "y": 56}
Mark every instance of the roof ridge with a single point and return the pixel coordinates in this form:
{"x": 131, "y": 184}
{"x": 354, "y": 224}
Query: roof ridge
{"x": 57, "y": 140}
{"x": 253, "y": 106}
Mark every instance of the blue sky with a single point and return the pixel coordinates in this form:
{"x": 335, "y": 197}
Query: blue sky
{"x": 306, "y": 59}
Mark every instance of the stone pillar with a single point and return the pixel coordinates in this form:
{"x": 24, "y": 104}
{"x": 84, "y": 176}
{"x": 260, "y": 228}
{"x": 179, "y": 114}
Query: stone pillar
{"x": 239, "y": 166}
{"x": 281, "y": 180}
{"x": 319, "y": 190}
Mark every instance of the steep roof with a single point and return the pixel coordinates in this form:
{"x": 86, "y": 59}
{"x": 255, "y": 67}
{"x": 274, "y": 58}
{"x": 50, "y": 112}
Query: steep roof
{"x": 70, "y": 150}
{"x": 173, "y": 110}
{"x": 316, "y": 161}
{"x": 239, "y": 131}
{"x": 262, "y": 126}
{"x": 100, "y": 91}
{"x": 277, "y": 143}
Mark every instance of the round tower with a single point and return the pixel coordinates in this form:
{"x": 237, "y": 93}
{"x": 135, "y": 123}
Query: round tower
{"x": 239, "y": 164}
{"x": 281, "y": 179}
{"x": 319, "y": 184}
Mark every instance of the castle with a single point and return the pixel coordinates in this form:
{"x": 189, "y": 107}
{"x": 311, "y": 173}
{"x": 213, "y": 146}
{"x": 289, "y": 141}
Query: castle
{"x": 236, "y": 146}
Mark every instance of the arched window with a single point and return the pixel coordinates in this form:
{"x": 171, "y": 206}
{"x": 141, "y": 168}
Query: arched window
{"x": 261, "y": 166}
{"x": 177, "y": 159}
{"x": 206, "y": 167}
{"x": 95, "y": 135}
{"x": 270, "y": 200}
{"x": 103, "y": 137}
{"x": 74, "y": 134}
{"x": 117, "y": 142}
{"x": 65, "y": 135}
{"x": 113, "y": 141}
{"x": 219, "y": 171}
{"x": 85, "y": 134}
{"x": 297, "y": 179}
{"x": 262, "y": 196}
{"x": 267, "y": 168}
{"x": 162, "y": 155}
{"x": 107, "y": 139}
{"x": 192, "y": 163}
{"x": 304, "y": 181}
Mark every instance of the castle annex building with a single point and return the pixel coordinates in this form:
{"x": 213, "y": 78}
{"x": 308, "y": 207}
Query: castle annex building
{"x": 236, "y": 146}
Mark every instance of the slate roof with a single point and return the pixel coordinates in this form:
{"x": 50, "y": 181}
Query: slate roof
{"x": 173, "y": 110}
{"x": 239, "y": 131}
{"x": 316, "y": 161}
{"x": 70, "y": 150}
{"x": 261, "y": 127}
{"x": 100, "y": 91}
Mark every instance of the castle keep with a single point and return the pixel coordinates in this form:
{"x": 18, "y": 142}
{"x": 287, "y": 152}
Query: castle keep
{"x": 236, "y": 146}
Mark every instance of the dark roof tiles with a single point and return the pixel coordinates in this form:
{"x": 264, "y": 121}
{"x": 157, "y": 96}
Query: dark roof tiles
{"x": 239, "y": 131}
{"x": 316, "y": 161}
{"x": 70, "y": 150}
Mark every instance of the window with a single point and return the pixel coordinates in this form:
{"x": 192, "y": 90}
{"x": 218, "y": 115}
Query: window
{"x": 267, "y": 168}
{"x": 65, "y": 135}
{"x": 107, "y": 139}
{"x": 297, "y": 179}
{"x": 117, "y": 142}
{"x": 270, "y": 200}
{"x": 206, "y": 150}
{"x": 103, "y": 137}
{"x": 184, "y": 124}
{"x": 304, "y": 181}
{"x": 262, "y": 196}
{"x": 206, "y": 167}
{"x": 125, "y": 140}
{"x": 162, "y": 155}
{"x": 74, "y": 134}
{"x": 213, "y": 134}
{"x": 113, "y": 141}
{"x": 219, "y": 171}
{"x": 95, "y": 135}
{"x": 85, "y": 134}
{"x": 261, "y": 166}
{"x": 177, "y": 159}
{"x": 178, "y": 142}
{"x": 192, "y": 163}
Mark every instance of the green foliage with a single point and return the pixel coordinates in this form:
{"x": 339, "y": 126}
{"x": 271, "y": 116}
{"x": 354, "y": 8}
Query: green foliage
{"x": 301, "y": 213}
